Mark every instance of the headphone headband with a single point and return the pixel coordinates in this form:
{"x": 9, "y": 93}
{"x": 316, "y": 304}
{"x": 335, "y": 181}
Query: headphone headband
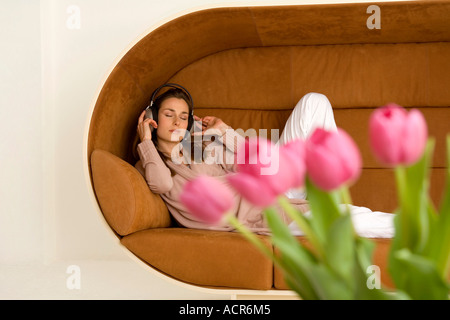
{"x": 173, "y": 85}
{"x": 150, "y": 113}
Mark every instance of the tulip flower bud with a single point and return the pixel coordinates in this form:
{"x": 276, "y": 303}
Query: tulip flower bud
{"x": 332, "y": 159}
{"x": 207, "y": 199}
{"x": 397, "y": 137}
{"x": 294, "y": 152}
{"x": 265, "y": 171}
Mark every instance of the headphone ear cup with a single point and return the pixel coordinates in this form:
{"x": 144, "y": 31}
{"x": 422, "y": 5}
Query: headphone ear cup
{"x": 149, "y": 115}
{"x": 190, "y": 125}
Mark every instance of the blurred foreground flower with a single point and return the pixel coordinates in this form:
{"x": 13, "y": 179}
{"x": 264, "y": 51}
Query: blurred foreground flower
{"x": 207, "y": 198}
{"x": 332, "y": 159}
{"x": 264, "y": 171}
{"x": 397, "y": 137}
{"x": 419, "y": 259}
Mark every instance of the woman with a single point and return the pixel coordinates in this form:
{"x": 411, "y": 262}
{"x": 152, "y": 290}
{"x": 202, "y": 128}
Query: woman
{"x": 168, "y": 164}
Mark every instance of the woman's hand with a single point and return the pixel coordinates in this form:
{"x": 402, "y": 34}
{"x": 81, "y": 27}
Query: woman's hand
{"x": 212, "y": 124}
{"x": 143, "y": 128}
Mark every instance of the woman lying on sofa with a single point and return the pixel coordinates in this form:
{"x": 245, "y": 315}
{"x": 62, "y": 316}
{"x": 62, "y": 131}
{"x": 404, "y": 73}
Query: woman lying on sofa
{"x": 168, "y": 164}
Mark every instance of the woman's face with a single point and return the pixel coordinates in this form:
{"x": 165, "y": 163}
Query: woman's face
{"x": 173, "y": 118}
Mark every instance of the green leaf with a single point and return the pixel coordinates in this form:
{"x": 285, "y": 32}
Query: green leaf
{"x": 339, "y": 248}
{"x": 443, "y": 226}
{"x": 418, "y": 193}
{"x": 283, "y": 238}
{"x": 303, "y": 223}
{"x": 324, "y": 209}
{"x": 362, "y": 289}
{"x": 413, "y": 185}
{"x": 364, "y": 259}
{"x": 349, "y": 258}
{"x": 295, "y": 259}
{"x": 438, "y": 248}
{"x": 435, "y": 244}
{"x": 364, "y": 250}
{"x": 424, "y": 281}
{"x": 297, "y": 284}
{"x": 330, "y": 286}
{"x": 298, "y": 278}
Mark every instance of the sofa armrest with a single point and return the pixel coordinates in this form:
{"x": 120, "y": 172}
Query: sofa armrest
{"x": 125, "y": 200}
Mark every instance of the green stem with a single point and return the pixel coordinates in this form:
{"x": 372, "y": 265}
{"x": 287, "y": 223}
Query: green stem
{"x": 346, "y": 198}
{"x": 300, "y": 220}
{"x": 250, "y": 236}
{"x": 400, "y": 175}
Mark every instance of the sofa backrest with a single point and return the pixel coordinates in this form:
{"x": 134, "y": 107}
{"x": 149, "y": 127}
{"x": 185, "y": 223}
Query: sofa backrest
{"x": 257, "y": 88}
{"x": 250, "y": 65}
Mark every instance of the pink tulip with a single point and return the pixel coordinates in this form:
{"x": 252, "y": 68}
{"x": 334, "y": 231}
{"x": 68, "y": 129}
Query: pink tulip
{"x": 265, "y": 171}
{"x": 295, "y": 152}
{"x": 397, "y": 137}
{"x": 332, "y": 159}
{"x": 251, "y": 189}
{"x": 207, "y": 199}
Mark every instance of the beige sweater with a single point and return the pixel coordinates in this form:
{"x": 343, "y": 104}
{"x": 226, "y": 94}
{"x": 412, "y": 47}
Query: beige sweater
{"x": 167, "y": 178}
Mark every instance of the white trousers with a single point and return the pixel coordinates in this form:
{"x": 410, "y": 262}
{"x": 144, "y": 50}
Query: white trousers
{"x": 314, "y": 111}
{"x": 311, "y": 112}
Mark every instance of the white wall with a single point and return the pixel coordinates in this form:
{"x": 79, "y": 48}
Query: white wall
{"x": 51, "y": 73}
{"x": 21, "y": 153}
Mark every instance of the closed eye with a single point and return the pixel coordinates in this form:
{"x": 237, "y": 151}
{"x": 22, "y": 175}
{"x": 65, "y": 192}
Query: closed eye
{"x": 170, "y": 115}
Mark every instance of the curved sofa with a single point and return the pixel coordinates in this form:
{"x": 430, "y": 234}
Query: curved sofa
{"x": 249, "y": 66}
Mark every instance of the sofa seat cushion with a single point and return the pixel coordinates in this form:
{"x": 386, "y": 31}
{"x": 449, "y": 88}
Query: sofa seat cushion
{"x": 205, "y": 258}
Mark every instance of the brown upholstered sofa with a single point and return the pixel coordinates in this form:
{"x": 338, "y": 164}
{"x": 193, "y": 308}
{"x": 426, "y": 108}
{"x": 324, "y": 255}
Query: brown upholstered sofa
{"x": 249, "y": 66}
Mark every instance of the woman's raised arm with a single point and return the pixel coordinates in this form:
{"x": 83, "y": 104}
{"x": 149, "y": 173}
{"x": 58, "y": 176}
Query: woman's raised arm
{"x": 150, "y": 165}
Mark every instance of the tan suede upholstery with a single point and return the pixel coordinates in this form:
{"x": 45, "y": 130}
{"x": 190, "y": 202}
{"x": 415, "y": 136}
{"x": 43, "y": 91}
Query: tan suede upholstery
{"x": 249, "y": 66}
{"x": 125, "y": 202}
{"x": 204, "y": 258}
